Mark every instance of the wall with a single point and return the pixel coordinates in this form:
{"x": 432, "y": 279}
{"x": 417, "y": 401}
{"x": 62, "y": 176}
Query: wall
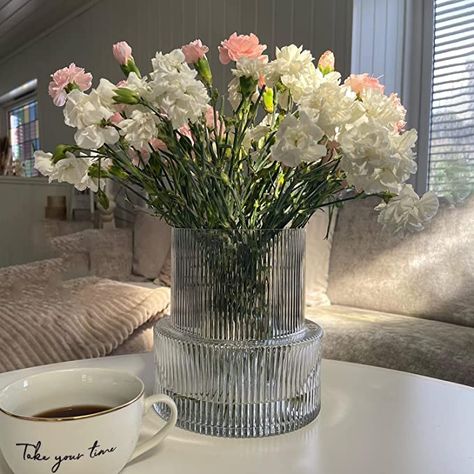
{"x": 150, "y": 25}
{"x": 22, "y": 227}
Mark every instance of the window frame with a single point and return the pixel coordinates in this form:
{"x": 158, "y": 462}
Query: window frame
{"x": 443, "y": 194}
{"x": 13, "y": 104}
{"x": 417, "y": 80}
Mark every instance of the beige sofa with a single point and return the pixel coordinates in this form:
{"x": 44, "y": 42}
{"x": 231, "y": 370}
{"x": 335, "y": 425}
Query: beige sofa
{"x": 85, "y": 302}
{"x": 405, "y": 304}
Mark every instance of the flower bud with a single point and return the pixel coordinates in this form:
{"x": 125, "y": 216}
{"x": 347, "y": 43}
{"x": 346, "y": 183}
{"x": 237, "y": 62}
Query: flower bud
{"x": 326, "y": 62}
{"x": 122, "y": 52}
{"x": 225, "y": 178}
{"x": 126, "y": 96}
{"x": 60, "y": 152}
{"x": 268, "y": 100}
{"x": 194, "y": 51}
{"x": 130, "y": 67}
{"x": 204, "y": 70}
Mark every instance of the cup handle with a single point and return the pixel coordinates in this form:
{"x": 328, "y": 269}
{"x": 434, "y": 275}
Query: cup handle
{"x": 158, "y": 437}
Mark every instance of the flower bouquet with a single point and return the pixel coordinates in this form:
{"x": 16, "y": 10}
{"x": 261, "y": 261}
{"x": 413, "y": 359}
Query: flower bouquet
{"x": 238, "y": 176}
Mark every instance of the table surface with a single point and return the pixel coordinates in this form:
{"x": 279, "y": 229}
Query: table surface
{"x": 372, "y": 421}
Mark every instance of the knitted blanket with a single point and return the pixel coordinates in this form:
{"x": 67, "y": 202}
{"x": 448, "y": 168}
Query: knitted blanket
{"x": 54, "y": 321}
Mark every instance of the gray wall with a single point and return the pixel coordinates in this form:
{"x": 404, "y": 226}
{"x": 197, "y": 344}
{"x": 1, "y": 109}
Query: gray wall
{"x": 151, "y": 25}
{"x": 22, "y": 226}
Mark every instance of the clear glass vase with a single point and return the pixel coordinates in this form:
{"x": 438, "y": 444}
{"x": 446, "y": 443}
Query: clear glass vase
{"x": 236, "y": 354}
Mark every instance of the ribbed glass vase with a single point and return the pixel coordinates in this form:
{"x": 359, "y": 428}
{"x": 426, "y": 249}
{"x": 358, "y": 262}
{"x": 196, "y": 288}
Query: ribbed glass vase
{"x": 236, "y": 354}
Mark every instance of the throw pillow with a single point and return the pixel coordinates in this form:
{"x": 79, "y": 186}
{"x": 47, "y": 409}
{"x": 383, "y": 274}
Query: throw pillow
{"x": 318, "y": 251}
{"x": 151, "y": 245}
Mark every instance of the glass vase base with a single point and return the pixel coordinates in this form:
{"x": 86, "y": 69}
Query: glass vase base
{"x": 239, "y": 388}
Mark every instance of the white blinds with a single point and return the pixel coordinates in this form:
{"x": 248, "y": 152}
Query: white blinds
{"x": 451, "y": 148}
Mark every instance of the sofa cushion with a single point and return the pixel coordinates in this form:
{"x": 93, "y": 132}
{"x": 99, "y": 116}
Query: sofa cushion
{"x": 15, "y": 278}
{"x": 141, "y": 340}
{"x": 76, "y": 319}
{"x": 429, "y": 274}
{"x": 416, "y": 345}
{"x": 151, "y": 245}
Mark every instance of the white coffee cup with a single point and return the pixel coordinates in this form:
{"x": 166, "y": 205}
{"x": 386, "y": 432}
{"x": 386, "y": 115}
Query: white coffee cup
{"x": 98, "y": 443}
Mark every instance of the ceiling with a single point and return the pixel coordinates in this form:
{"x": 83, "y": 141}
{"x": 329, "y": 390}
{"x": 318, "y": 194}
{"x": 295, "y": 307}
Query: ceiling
{"x": 21, "y": 21}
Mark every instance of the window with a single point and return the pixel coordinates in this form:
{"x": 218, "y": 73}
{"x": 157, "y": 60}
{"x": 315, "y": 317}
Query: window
{"x": 451, "y": 137}
{"x": 23, "y": 130}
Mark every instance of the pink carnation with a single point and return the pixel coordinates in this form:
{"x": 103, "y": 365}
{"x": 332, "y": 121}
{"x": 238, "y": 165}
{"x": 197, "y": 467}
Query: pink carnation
{"x": 194, "y": 51}
{"x": 241, "y": 46}
{"x": 361, "y": 82}
{"x": 62, "y": 78}
{"x": 122, "y": 52}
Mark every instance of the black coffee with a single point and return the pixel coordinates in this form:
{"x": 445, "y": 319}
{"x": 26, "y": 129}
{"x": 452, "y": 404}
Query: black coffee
{"x": 72, "y": 411}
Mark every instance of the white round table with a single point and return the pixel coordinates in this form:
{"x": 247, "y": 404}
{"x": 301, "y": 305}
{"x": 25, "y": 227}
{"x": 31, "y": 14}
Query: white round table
{"x": 372, "y": 421}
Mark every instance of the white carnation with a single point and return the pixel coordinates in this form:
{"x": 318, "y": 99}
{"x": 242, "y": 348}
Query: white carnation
{"x": 294, "y": 68}
{"x": 43, "y": 162}
{"x": 387, "y": 110}
{"x": 82, "y": 110}
{"x": 70, "y": 170}
{"x": 297, "y": 141}
{"x": 171, "y": 62}
{"x": 331, "y": 106}
{"x": 105, "y": 91}
{"x": 138, "y": 84}
{"x": 407, "y": 211}
{"x": 175, "y": 90}
{"x": 250, "y": 67}
{"x": 376, "y": 160}
{"x": 74, "y": 170}
{"x": 139, "y": 129}
{"x": 95, "y": 136}
{"x": 87, "y": 112}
